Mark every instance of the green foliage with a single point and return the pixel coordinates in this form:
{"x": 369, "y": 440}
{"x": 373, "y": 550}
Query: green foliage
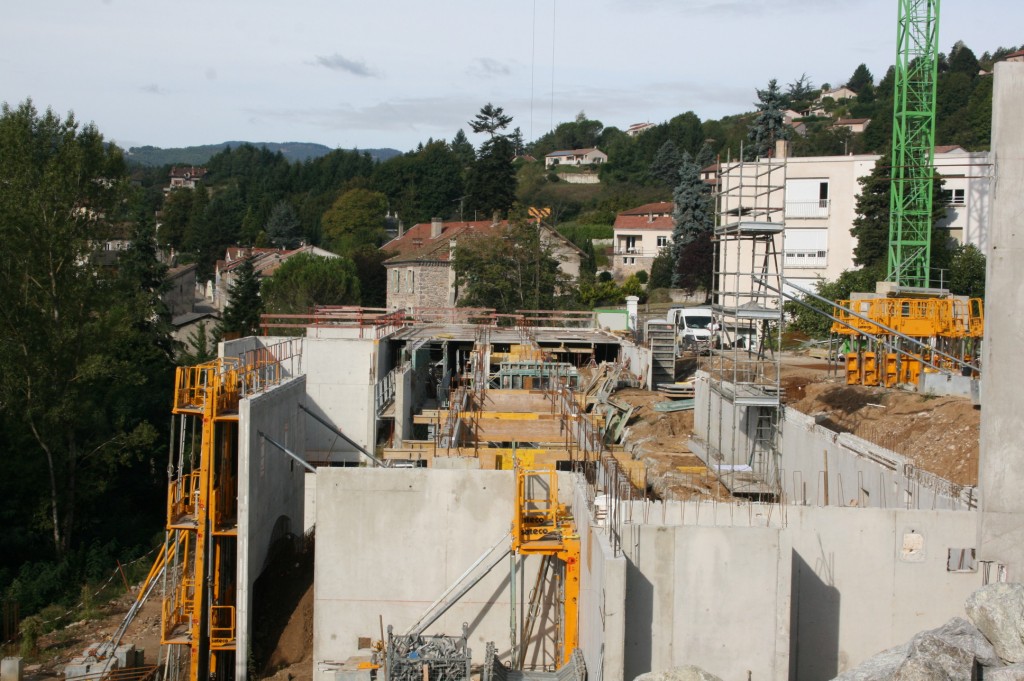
{"x": 662, "y": 269}
{"x": 304, "y": 281}
{"x": 82, "y": 352}
{"x": 860, "y": 79}
{"x": 800, "y": 93}
{"x": 967, "y": 271}
{"x": 491, "y": 182}
{"x": 242, "y": 313}
{"x": 355, "y": 219}
{"x": 513, "y": 270}
{"x": 769, "y": 125}
{"x": 807, "y": 317}
{"x": 490, "y": 120}
{"x": 200, "y": 346}
{"x": 693, "y": 215}
{"x": 665, "y": 166}
{"x": 581, "y": 133}
{"x": 283, "y": 226}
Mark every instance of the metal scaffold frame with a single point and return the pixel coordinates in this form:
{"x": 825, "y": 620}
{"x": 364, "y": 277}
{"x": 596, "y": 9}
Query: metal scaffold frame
{"x": 747, "y": 306}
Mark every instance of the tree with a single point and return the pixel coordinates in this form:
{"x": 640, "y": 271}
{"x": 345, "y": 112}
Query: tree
{"x": 871, "y": 226}
{"x": 355, "y": 219}
{"x": 694, "y": 221}
{"x": 304, "y": 281}
{"x": 283, "y": 226}
{"x": 808, "y": 317}
{"x": 769, "y": 125}
{"x": 491, "y": 183}
{"x": 242, "y": 314}
{"x": 201, "y": 346}
{"x": 799, "y": 93}
{"x": 967, "y": 271}
{"x": 860, "y": 79}
{"x": 962, "y": 60}
{"x": 463, "y": 150}
{"x": 512, "y": 270}
{"x": 70, "y": 380}
{"x": 491, "y": 120}
{"x": 665, "y": 167}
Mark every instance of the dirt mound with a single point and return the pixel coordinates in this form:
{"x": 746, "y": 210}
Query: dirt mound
{"x": 939, "y": 434}
{"x": 283, "y": 613}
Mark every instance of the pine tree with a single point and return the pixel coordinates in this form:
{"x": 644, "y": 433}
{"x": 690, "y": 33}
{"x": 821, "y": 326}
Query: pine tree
{"x": 769, "y": 125}
{"x": 694, "y": 220}
{"x": 242, "y": 314}
{"x": 665, "y": 167}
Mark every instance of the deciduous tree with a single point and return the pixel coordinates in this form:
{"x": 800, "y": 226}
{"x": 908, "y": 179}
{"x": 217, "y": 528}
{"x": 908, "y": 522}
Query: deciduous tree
{"x": 304, "y": 281}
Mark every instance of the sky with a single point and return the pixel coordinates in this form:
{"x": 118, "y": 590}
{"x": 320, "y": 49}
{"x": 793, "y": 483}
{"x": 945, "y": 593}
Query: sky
{"x": 394, "y": 73}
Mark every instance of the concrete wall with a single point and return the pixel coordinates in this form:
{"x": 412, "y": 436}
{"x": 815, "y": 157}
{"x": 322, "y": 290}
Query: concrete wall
{"x": 602, "y": 597}
{"x": 390, "y": 541}
{"x": 1002, "y": 455}
{"x": 858, "y": 589}
{"x": 270, "y": 490}
{"x": 341, "y": 374}
{"x": 821, "y": 467}
{"x": 716, "y": 597}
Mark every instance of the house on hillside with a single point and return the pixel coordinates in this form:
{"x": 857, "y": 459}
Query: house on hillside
{"x": 1015, "y": 56}
{"x": 420, "y": 272}
{"x": 838, "y": 94}
{"x": 854, "y": 125}
{"x": 575, "y": 157}
{"x": 186, "y": 177}
{"x": 638, "y": 128}
{"x": 640, "y": 234}
{"x": 265, "y": 262}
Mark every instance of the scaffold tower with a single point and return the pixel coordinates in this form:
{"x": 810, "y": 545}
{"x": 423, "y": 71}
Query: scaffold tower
{"x": 747, "y": 305}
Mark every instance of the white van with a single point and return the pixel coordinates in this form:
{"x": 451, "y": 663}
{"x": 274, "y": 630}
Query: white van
{"x": 694, "y": 327}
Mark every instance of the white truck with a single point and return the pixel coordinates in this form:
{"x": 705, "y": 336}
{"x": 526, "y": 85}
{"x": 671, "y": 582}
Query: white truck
{"x": 694, "y": 327}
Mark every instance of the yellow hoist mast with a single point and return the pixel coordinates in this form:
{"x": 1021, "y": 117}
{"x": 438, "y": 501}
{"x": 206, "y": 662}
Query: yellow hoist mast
{"x": 541, "y": 526}
{"x": 199, "y": 600}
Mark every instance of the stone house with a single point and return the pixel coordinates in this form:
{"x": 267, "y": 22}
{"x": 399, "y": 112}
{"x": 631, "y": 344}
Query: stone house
{"x": 420, "y": 272}
{"x": 186, "y": 177}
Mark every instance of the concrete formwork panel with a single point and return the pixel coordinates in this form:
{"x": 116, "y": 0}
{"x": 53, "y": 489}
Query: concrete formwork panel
{"x": 341, "y": 375}
{"x": 270, "y": 490}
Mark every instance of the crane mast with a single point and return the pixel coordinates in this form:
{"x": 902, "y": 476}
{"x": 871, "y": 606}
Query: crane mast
{"x": 913, "y": 143}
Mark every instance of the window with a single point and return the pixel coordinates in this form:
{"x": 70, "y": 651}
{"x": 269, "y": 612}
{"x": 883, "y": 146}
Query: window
{"x": 662, "y": 241}
{"x": 806, "y": 248}
{"x": 395, "y": 276}
{"x": 410, "y": 281}
{"x": 630, "y": 244}
{"x": 954, "y": 197}
{"x": 807, "y": 198}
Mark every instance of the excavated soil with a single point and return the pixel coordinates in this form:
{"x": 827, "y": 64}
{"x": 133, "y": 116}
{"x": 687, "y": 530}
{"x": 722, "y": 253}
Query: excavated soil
{"x": 937, "y": 434}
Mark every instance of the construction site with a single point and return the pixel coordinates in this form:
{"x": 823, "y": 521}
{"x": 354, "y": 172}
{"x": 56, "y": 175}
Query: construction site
{"x": 533, "y": 496}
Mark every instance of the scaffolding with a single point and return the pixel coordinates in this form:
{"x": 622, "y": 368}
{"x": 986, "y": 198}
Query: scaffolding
{"x": 747, "y": 308}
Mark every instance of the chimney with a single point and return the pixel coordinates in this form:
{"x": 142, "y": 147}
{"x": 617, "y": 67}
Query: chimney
{"x": 781, "y": 148}
{"x": 401, "y": 227}
{"x": 436, "y": 225}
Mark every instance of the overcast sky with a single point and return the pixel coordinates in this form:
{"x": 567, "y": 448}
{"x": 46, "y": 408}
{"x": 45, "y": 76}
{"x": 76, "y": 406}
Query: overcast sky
{"x": 393, "y": 73}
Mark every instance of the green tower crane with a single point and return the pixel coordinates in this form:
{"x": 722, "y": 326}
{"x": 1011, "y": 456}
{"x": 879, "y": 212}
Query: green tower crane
{"x": 913, "y": 143}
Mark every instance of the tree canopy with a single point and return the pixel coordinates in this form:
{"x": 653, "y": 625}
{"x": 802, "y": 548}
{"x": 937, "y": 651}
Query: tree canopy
{"x": 304, "y": 281}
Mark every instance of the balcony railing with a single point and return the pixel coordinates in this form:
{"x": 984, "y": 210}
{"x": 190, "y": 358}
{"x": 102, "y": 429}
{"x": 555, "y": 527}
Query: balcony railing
{"x": 636, "y": 252}
{"x": 807, "y": 209}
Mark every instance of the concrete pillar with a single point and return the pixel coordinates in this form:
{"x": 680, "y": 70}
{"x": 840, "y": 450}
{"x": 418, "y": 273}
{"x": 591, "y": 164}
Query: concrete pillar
{"x": 1001, "y": 470}
{"x": 11, "y": 669}
{"x": 632, "y": 307}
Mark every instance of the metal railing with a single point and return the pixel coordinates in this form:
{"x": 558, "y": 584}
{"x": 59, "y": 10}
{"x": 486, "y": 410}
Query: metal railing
{"x": 808, "y": 209}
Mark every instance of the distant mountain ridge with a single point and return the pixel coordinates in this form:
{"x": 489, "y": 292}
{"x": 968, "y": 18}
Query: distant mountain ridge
{"x": 198, "y": 155}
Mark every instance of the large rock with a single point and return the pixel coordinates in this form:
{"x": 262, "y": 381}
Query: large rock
{"x": 1014, "y": 672}
{"x": 881, "y": 667}
{"x": 946, "y": 653}
{"x": 932, "y": 658}
{"x": 998, "y": 612}
{"x": 687, "y": 673}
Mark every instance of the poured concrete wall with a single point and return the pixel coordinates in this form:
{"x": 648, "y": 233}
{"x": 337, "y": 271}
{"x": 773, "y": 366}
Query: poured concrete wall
{"x": 821, "y": 467}
{"x": 716, "y": 597}
{"x": 390, "y": 541}
{"x": 1002, "y": 454}
{"x": 602, "y": 597}
{"x": 868, "y": 579}
{"x": 270, "y": 490}
{"x": 341, "y": 374}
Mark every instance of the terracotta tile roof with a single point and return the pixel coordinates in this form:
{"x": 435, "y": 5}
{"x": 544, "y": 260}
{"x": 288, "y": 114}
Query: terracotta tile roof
{"x": 185, "y": 172}
{"x": 572, "y": 152}
{"x": 633, "y": 222}
{"x": 656, "y": 208}
{"x": 1018, "y": 53}
{"x": 946, "y": 148}
{"x": 417, "y": 245}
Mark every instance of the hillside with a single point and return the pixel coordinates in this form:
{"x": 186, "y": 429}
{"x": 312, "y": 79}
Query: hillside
{"x": 199, "y": 155}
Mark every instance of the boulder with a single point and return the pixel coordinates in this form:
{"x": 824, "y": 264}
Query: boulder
{"x": 932, "y": 658}
{"x": 997, "y": 610}
{"x": 686, "y": 673}
{"x": 1015, "y": 672}
{"x": 962, "y": 634}
{"x": 881, "y": 667}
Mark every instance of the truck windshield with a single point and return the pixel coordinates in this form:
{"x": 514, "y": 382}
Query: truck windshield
{"x": 697, "y": 322}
